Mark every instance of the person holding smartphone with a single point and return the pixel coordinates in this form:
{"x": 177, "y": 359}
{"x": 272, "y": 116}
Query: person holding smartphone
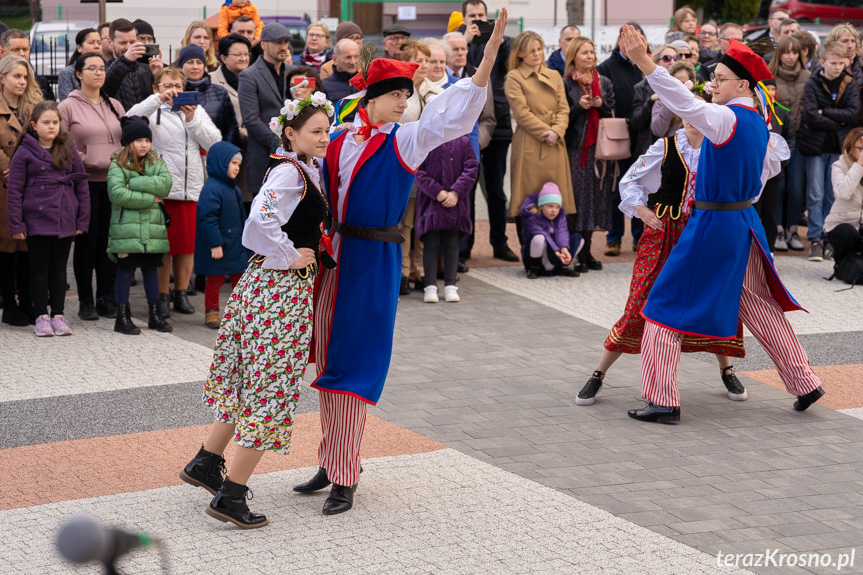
{"x": 303, "y": 82}
{"x": 128, "y": 78}
{"x": 179, "y": 138}
{"x": 494, "y": 155}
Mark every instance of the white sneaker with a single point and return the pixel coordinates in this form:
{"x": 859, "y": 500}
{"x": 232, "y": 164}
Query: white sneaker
{"x": 794, "y": 241}
{"x": 780, "y": 245}
{"x": 430, "y": 295}
{"x": 451, "y": 293}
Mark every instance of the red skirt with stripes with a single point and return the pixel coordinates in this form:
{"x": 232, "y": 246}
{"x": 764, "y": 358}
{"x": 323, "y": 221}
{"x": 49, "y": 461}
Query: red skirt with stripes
{"x": 653, "y": 249}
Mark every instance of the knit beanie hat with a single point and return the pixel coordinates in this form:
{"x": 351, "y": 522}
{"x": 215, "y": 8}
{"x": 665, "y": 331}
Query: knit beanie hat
{"x": 134, "y": 128}
{"x": 549, "y": 194}
{"x": 191, "y": 52}
{"x": 142, "y": 27}
{"x": 456, "y": 20}
{"x": 346, "y": 29}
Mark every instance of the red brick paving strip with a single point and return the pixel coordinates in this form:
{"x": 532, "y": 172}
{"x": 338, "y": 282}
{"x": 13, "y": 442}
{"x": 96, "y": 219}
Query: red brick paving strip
{"x": 843, "y": 384}
{"x": 39, "y": 474}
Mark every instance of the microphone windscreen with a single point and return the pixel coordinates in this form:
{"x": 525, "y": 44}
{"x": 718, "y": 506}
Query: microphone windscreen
{"x": 81, "y": 540}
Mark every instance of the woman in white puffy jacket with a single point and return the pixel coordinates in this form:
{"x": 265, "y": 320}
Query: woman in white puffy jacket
{"x": 182, "y": 139}
{"x": 845, "y": 221}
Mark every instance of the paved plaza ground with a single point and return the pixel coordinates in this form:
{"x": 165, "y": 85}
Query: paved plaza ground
{"x": 477, "y": 459}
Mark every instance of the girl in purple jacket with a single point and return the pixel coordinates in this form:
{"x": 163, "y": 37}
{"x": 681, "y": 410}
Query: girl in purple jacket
{"x": 49, "y": 204}
{"x": 444, "y": 181}
{"x": 547, "y": 246}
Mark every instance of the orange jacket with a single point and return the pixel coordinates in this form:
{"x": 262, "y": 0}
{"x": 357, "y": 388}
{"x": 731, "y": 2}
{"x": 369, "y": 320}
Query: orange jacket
{"x": 230, "y": 13}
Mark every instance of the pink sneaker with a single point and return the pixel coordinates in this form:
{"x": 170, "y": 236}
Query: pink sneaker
{"x": 43, "y": 326}
{"x": 58, "y": 323}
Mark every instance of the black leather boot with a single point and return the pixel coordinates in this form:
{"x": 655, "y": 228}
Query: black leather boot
{"x": 181, "y": 302}
{"x": 533, "y": 266}
{"x": 165, "y": 305}
{"x": 804, "y": 401}
{"x": 229, "y": 505}
{"x": 123, "y": 322}
{"x": 658, "y": 413}
{"x": 156, "y": 321}
{"x": 341, "y": 499}
{"x": 316, "y": 483}
{"x": 206, "y": 470}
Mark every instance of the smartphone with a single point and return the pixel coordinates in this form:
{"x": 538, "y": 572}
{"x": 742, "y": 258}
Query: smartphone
{"x": 186, "y": 99}
{"x": 297, "y": 80}
{"x": 151, "y": 50}
{"x": 485, "y": 30}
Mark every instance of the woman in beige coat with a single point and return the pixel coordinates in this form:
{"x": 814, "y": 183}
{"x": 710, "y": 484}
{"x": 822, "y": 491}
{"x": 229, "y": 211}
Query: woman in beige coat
{"x": 538, "y": 103}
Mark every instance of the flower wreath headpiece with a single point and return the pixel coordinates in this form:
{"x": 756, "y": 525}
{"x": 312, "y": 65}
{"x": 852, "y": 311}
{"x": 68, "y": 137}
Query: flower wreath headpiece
{"x": 294, "y": 108}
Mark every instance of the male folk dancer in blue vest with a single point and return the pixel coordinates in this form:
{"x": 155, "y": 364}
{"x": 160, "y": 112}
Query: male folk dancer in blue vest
{"x": 721, "y": 267}
{"x": 368, "y": 173}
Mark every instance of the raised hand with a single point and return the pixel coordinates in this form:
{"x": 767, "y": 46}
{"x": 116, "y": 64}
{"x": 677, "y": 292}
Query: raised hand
{"x": 483, "y": 72}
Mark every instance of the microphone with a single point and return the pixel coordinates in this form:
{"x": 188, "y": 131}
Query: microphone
{"x": 81, "y": 540}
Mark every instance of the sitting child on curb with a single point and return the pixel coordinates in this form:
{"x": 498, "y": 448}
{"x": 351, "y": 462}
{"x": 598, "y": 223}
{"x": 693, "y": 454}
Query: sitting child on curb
{"x": 547, "y": 246}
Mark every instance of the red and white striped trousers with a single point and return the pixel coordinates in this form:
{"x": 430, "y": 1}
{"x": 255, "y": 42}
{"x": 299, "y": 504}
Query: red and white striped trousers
{"x": 343, "y": 421}
{"x": 760, "y": 313}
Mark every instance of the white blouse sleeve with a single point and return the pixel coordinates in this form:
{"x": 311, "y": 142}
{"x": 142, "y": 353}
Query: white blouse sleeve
{"x": 715, "y": 122}
{"x": 642, "y": 178}
{"x": 271, "y": 209}
{"x": 448, "y": 116}
{"x": 777, "y": 152}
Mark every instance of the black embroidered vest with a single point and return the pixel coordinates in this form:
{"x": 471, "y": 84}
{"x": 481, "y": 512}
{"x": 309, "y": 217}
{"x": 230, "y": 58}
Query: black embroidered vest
{"x": 304, "y": 228}
{"x": 675, "y": 177}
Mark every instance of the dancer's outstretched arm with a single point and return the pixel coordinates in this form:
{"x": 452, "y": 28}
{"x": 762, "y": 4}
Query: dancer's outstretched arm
{"x": 454, "y": 112}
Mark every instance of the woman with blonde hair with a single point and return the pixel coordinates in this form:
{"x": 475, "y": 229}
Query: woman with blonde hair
{"x": 590, "y": 98}
{"x": 685, "y": 22}
{"x": 537, "y": 100}
{"x": 199, "y": 33}
{"x": 20, "y": 93}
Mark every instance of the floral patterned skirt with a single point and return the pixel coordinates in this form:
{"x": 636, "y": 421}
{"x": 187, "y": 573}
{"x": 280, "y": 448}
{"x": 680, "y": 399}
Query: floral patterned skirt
{"x": 261, "y": 355}
{"x": 653, "y": 249}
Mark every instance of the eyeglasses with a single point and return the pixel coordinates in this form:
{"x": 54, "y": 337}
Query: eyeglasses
{"x": 858, "y": 148}
{"x": 316, "y": 35}
{"x": 240, "y": 55}
{"x": 727, "y": 39}
{"x": 172, "y": 86}
{"x": 667, "y": 58}
{"x": 356, "y": 37}
{"x": 705, "y": 33}
{"x": 95, "y": 70}
{"x": 717, "y": 80}
{"x": 685, "y": 56}
{"x": 395, "y": 37}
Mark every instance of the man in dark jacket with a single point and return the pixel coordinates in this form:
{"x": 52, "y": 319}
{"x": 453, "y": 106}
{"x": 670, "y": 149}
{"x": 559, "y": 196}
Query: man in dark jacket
{"x": 346, "y": 54}
{"x": 831, "y": 103}
{"x": 494, "y": 155}
{"x": 557, "y": 60}
{"x": 624, "y": 75}
{"x": 128, "y": 78}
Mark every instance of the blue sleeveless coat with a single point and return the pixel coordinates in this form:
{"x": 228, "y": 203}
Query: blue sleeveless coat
{"x": 698, "y": 291}
{"x": 367, "y": 277}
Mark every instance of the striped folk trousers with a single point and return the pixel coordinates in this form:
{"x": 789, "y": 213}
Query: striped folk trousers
{"x": 760, "y": 313}
{"x": 343, "y": 421}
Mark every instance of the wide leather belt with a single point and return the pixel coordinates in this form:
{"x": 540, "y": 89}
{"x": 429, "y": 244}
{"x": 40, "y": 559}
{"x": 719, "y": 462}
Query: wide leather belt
{"x": 722, "y": 206}
{"x": 389, "y": 234}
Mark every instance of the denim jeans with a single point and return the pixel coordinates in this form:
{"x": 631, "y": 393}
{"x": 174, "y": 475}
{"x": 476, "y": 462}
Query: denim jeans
{"x": 819, "y": 193}
{"x": 789, "y": 205}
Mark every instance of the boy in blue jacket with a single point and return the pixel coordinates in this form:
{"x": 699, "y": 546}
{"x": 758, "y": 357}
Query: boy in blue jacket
{"x": 220, "y": 219}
